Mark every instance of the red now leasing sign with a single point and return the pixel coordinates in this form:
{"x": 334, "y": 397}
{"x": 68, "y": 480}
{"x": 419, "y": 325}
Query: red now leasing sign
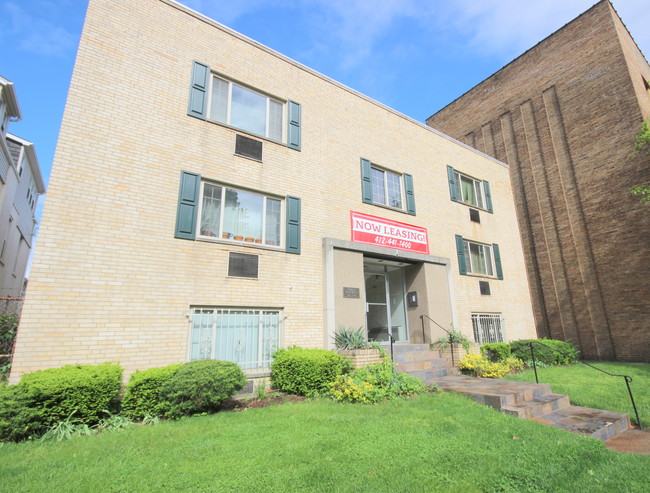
{"x": 390, "y": 234}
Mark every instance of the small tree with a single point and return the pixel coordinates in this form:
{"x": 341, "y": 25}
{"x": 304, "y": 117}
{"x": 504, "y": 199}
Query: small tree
{"x": 642, "y": 145}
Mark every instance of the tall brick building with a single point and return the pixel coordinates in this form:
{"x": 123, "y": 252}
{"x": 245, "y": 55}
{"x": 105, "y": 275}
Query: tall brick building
{"x": 564, "y": 116}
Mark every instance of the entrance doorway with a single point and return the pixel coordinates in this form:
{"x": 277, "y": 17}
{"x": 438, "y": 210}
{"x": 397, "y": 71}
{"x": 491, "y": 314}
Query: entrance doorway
{"x": 385, "y": 300}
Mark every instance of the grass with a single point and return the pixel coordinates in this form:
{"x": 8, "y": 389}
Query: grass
{"x": 590, "y": 388}
{"x": 434, "y": 442}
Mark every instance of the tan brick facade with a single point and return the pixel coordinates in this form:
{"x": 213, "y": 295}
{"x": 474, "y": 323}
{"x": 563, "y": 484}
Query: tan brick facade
{"x": 564, "y": 116}
{"x": 110, "y": 282}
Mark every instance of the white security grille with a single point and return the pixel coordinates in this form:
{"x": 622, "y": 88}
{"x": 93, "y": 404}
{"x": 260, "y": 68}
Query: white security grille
{"x": 488, "y": 328}
{"x": 247, "y": 337}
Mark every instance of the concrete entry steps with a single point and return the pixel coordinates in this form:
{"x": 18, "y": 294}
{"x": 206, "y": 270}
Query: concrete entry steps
{"x": 418, "y": 360}
{"x": 536, "y": 402}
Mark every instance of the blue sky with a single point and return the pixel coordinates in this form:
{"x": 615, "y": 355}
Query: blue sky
{"x": 413, "y": 55}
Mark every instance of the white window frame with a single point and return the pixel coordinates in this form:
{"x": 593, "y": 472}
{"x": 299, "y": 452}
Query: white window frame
{"x": 236, "y": 341}
{"x": 265, "y": 198}
{"x": 268, "y": 98}
{"x": 490, "y": 266}
{"x": 478, "y": 187}
{"x": 488, "y": 328}
{"x": 385, "y": 174}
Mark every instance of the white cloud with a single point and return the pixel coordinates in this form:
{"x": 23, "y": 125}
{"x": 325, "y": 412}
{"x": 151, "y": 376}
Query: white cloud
{"x": 34, "y": 33}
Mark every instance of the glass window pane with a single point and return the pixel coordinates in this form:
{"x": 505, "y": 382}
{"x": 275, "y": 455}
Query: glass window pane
{"x": 394, "y": 190}
{"x": 243, "y": 215}
{"x": 275, "y": 120}
{"x": 378, "y": 190}
{"x": 219, "y": 102}
{"x": 488, "y": 260}
{"x": 248, "y": 110}
{"x": 479, "y": 193}
{"x": 467, "y": 186}
{"x": 211, "y": 210}
{"x": 272, "y": 236}
{"x": 478, "y": 259}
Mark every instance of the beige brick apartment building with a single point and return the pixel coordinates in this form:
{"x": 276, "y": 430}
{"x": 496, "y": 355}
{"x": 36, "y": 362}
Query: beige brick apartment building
{"x": 211, "y": 198}
{"x": 564, "y": 116}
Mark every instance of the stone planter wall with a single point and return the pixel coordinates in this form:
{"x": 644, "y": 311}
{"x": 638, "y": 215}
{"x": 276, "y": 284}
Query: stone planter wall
{"x": 362, "y": 357}
{"x": 459, "y": 352}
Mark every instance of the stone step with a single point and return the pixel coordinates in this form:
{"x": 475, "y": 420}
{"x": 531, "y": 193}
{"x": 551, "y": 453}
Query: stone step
{"x": 406, "y": 348}
{"x": 428, "y": 364}
{"x": 418, "y": 356}
{"x": 595, "y": 423}
{"x": 537, "y": 407}
{"x": 430, "y": 376}
{"x": 494, "y": 393}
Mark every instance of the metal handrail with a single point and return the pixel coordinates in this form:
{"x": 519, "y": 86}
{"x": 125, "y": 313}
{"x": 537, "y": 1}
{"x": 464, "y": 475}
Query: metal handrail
{"x": 451, "y": 336}
{"x": 392, "y": 340}
{"x": 627, "y": 378}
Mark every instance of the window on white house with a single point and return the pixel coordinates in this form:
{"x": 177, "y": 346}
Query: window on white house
{"x": 386, "y": 188}
{"x": 469, "y": 190}
{"x": 244, "y": 336}
{"x": 478, "y": 258}
{"x": 239, "y": 215}
{"x": 246, "y": 109}
{"x": 488, "y": 328}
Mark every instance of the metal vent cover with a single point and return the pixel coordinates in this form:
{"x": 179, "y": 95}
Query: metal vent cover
{"x": 246, "y": 147}
{"x": 243, "y": 265}
{"x": 474, "y": 215}
{"x": 485, "y": 287}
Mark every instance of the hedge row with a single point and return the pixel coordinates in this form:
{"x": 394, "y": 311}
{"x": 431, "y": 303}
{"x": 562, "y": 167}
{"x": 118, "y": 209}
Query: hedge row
{"x": 548, "y": 352}
{"x": 86, "y": 394}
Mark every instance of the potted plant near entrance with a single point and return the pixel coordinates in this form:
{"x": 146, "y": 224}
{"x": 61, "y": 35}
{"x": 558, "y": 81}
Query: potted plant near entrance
{"x": 353, "y": 344}
{"x": 453, "y": 341}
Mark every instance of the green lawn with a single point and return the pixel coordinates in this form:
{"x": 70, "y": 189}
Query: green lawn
{"x": 434, "y": 442}
{"x": 591, "y": 388}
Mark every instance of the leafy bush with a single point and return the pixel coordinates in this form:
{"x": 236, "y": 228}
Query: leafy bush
{"x": 306, "y": 371}
{"x": 348, "y": 338}
{"x": 85, "y": 390}
{"x": 142, "y": 395}
{"x": 77, "y": 394}
{"x": 550, "y": 352}
{"x": 497, "y": 351}
{"x": 477, "y": 365}
{"x": 8, "y": 327}
{"x": 200, "y": 387}
{"x": 376, "y": 383}
{"x": 454, "y": 336}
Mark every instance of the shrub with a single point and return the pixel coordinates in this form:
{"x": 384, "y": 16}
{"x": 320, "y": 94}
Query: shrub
{"x": 43, "y": 399}
{"x": 83, "y": 390}
{"x": 497, "y": 351}
{"x": 550, "y": 352}
{"x": 478, "y": 366}
{"x": 142, "y": 395}
{"x": 345, "y": 338}
{"x": 455, "y": 336}
{"x": 376, "y": 383}
{"x": 306, "y": 371}
{"x": 200, "y": 387}
{"x": 20, "y": 419}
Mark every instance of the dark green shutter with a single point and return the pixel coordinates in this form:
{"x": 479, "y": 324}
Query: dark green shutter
{"x": 488, "y": 196}
{"x": 497, "y": 260}
{"x": 293, "y": 225}
{"x": 410, "y": 194}
{"x": 294, "y": 125}
{"x": 199, "y": 90}
{"x": 188, "y": 200}
{"x": 460, "y": 249}
{"x": 452, "y": 183}
{"x": 366, "y": 183}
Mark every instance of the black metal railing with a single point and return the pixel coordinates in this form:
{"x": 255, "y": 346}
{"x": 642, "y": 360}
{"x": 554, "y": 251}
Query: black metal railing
{"x": 392, "y": 340}
{"x": 452, "y": 340}
{"x": 627, "y": 378}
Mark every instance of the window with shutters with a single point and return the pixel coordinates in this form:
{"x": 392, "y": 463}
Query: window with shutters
{"x": 387, "y": 188}
{"x": 478, "y": 258}
{"x": 216, "y": 98}
{"x": 468, "y": 190}
{"x": 239, "y": 215}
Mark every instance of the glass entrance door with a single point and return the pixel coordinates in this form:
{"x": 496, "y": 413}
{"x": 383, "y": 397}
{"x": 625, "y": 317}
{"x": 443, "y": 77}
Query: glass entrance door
{"x": 385, "y": 301}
